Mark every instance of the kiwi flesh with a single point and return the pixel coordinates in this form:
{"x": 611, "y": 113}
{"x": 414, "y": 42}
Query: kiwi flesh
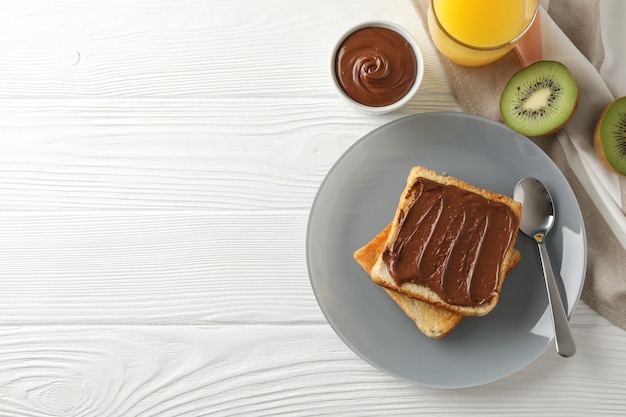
{"x": 539, "y": 99}
{"x": 609, "y": 136}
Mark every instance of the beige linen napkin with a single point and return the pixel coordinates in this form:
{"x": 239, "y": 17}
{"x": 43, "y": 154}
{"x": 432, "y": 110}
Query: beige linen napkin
{"x": 586, "y": 36}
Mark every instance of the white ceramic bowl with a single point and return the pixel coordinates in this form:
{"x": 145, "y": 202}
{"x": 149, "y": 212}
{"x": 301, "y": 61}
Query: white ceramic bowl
{"x": 418, "y": 57}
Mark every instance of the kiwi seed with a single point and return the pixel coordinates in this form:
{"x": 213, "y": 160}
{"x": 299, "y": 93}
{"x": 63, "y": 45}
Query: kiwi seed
{"x": 609, "y": 136}
{"x": 539, "y": 99}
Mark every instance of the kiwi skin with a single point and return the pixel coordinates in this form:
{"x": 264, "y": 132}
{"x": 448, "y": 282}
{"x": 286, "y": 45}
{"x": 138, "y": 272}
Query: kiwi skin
{"x": 538, "y": 72}
{"x": 615, "y": 105}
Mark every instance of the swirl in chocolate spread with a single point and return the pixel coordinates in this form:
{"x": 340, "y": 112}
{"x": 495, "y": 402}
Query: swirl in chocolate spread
{"x": 452, "y": 241}
{"x": 376, "y": 66}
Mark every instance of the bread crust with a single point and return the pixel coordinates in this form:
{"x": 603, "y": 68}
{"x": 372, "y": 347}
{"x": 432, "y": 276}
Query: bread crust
{"x": 381, "y": 275}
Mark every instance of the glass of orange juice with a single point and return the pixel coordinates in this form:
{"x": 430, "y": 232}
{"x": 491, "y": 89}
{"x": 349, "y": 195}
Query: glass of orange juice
{"x": 478, "y": 32}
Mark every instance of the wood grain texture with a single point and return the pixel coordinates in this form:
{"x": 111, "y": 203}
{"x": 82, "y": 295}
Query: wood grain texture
{"x": 178, "y": 106}
{"x": 157, "y": 165}
{"x": 171, "y": 49}
{"x": 161, "y": 269}
{"x": 172, "y": 154}
{"x": 133, "y": 371}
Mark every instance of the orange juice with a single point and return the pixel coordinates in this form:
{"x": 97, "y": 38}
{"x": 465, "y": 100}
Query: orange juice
{"x": 476, "y": 32}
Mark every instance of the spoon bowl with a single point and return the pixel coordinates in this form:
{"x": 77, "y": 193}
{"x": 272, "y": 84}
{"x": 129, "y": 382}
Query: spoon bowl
{"x": 538, "y": 209}
{"x": 537, "y": 219}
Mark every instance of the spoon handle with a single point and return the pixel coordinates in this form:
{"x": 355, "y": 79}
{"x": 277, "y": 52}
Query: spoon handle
{"x": 565, "y": 345}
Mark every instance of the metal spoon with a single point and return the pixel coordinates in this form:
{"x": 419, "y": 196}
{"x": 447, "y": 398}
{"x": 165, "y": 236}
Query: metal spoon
{"x": 537, "y": 220}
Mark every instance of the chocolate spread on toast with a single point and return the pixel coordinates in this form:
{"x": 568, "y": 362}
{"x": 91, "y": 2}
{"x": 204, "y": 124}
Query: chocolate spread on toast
{"x": 452, "y": 241}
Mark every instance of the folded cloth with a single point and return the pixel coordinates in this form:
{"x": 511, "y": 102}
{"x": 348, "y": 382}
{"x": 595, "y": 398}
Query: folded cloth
{"x": 587, "y": 36}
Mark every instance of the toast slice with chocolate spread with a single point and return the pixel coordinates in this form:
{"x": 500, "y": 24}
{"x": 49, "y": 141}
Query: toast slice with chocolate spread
{"x": 450, "y": 244}
{"x": 431, "y": 320}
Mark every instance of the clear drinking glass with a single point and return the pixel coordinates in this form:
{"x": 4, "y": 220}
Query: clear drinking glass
{"x": 478, "y": 32}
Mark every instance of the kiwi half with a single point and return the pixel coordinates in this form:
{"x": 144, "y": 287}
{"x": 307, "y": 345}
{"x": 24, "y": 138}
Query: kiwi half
{"x": 609, "y": 136}
{"x": 539, "y": 99}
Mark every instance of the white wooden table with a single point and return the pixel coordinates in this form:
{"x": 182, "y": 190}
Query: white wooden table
{"x": 158, "y": 160}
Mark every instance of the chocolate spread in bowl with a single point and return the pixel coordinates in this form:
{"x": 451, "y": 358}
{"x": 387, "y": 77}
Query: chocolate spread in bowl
{"x": 452, "y": 241}
{"x": 376, "y": 66}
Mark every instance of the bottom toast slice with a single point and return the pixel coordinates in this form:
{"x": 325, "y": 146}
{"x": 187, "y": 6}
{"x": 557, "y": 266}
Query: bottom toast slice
{"x": 431, "y": 320}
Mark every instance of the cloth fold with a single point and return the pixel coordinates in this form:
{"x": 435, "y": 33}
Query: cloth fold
{"x": 585, "y": 36}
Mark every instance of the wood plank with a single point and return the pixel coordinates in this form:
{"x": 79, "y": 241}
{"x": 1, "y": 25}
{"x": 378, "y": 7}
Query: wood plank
{"x": 171, "y": 154}
{"x": 133, "y": 371}
{"x": 146, "y": 268}
{"x": 198, "y": 48}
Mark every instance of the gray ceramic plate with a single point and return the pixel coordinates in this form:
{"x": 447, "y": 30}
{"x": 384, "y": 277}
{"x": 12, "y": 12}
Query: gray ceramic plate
{"x": 358, "y": 198}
